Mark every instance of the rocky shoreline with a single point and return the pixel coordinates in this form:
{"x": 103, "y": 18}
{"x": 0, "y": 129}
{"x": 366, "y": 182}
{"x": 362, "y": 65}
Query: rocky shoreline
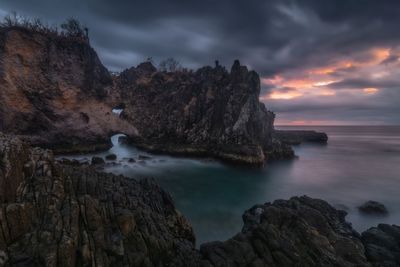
{"x": 55, "y": 93}
{"x": 54, "y": 214}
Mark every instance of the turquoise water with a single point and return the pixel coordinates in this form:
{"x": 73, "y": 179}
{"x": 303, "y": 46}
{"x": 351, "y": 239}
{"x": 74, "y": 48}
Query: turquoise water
{"x": 358, "y": 164}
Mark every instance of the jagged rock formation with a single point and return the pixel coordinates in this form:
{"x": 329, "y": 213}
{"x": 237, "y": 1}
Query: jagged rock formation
{"x": 207, "y": 112}
{"x": 53, "y": 91}
{"x": 53, "y": 215}
{"x": 382, "y": 245}
{"x": 299, "y": 232}
{"x": 68, "y": 215}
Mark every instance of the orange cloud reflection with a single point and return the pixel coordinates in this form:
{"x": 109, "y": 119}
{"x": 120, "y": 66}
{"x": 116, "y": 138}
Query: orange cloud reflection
{"x": 370, "y": 91}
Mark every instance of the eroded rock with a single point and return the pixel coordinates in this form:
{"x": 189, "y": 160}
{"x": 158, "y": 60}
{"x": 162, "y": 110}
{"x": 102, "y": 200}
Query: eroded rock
{"x": 208, "y": 112}
{"x": 54, "y": 92}
{"x": 298, "y": 232}
{"x": 382, "y": 245}
{"x": 63, "y": 215}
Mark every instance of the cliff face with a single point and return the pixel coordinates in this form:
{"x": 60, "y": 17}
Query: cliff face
{"x": 53, "y": 91}
{"x": 210, "y": 111}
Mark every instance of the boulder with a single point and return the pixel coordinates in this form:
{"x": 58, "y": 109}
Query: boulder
{"x": 111, "y": 157}
{"x": 143, "y": 157}
{"x": 97, "y": 161}
{"x": 298, "y": 232}
{"x": 382, "y": 244}
{"x": 373, "y": 207}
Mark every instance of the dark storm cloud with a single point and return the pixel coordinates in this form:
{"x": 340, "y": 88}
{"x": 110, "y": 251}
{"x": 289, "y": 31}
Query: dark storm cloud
{"x": 272, "y": 37}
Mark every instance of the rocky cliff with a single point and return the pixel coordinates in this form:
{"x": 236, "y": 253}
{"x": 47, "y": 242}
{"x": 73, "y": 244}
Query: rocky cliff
{"x": 60, "y": 215}
{"x": 210, "y": 111}
{"x": 53, "y": 91}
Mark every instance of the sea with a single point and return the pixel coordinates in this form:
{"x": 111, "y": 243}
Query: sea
{"x": 358, "y": 164}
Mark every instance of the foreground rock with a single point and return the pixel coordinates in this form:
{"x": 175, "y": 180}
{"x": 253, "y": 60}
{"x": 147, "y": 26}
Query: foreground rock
{"x": 66, "y": 215}
{"x": 299, "y": 232}
{"x": 293, "y": 137}
{"x": 54, "y": 92}
{"x": 208, "y": 112}
{"x": 373, "y": 207}
{"x": 97, "y": 161}
{"x": 55, "y": 215}
{"x": 382, "y": 245}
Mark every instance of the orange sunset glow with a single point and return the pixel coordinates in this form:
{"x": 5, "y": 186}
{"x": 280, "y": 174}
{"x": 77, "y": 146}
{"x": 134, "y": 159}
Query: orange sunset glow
{"x": 335, "y": 82}
{"x": 317, "y": 81}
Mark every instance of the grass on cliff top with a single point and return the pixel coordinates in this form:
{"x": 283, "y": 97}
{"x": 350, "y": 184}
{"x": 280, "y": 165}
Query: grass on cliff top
{"x": 71, "y": 28}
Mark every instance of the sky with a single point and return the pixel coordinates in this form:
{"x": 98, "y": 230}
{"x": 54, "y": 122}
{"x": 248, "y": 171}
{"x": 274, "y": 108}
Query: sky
{"x": 328, "y": 62}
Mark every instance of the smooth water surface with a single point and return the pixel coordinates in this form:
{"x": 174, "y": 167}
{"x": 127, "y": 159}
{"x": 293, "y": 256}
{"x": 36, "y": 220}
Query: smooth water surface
{"x": 357, "y": 164}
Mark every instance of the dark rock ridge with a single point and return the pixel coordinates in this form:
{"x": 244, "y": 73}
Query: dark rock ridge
{"x": 299, "y": 232}
{"x": 59, "y": 215}
{"x": 297, "y": 137}
{"x": 209, "y": 112}
{"x": 382, "y": 245}
{"x": 65, "y": 215}
{"x": 53, "y": 92}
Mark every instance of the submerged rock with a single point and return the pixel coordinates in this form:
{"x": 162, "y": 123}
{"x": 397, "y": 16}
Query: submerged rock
{"x": 123, "y": 140}
{"x": 111, "y": 157}
{"x": 130, "y": 160}
{"x": 97, "y": 161}
{"x": 373, "y": 207}
{"x": 292, "y": 137}
{"x": 144, "y": 157}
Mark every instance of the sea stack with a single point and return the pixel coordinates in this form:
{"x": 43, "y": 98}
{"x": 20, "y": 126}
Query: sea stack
{"x": 208, "y": 112}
